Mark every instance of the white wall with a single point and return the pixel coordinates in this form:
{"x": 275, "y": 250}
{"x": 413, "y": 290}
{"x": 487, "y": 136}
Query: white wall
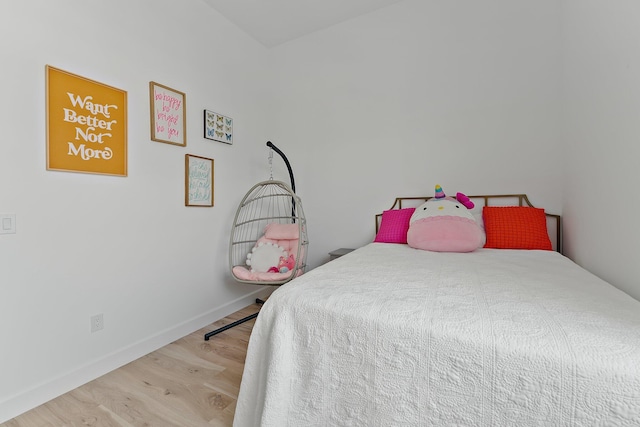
{"x": 601, "y": 126}
{"x": 465, "y": 94}
{"x": 476, "y": 96}
{"x": 125, "y": 247}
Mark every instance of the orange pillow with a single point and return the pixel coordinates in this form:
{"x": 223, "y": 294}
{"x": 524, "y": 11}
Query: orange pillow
{"x": 515, "y": 227}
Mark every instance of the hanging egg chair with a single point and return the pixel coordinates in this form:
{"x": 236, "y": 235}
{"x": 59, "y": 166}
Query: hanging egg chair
{"x": 269, "y": 239}
{"x": 268, "y": 242}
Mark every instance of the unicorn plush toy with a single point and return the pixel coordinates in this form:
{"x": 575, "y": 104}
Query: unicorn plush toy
{"x": 444, "y": 224}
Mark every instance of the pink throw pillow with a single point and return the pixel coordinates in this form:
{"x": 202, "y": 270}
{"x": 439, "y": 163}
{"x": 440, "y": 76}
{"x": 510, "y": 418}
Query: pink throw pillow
{"x": 394, "y": 226}
{"x": 277, "y": 231}
{"x": 445, "y": 234}
{"x": 444, "y": 225}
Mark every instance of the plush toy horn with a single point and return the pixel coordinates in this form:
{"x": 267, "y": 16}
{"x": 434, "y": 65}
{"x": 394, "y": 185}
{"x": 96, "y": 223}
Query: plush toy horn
{"x": 439, "y": 193}
{"x": 465, "y": 201}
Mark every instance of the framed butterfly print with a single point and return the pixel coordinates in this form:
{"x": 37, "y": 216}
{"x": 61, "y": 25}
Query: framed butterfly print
{"x": 218, "y": 127}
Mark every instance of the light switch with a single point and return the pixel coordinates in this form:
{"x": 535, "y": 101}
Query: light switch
{"x": 7, "y": 224}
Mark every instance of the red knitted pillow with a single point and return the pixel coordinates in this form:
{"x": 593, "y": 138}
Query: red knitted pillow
{"x": 394, "y": 226}
{"x": 515, "y": 227}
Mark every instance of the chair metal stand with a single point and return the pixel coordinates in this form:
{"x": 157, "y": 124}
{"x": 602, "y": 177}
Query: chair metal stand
{"x": 236, "y": 323}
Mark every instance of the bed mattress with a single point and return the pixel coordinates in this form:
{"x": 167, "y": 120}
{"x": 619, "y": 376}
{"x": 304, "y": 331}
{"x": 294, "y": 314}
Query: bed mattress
{"x": 393, "y": 336}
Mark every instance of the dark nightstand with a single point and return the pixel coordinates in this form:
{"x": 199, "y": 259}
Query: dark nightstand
{"x": 338, "y": 253}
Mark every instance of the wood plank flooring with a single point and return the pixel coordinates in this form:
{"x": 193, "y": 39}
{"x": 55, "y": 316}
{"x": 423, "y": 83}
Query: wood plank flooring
{"x": 188, "y": 383}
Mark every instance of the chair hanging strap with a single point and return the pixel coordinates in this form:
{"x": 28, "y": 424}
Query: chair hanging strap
{"x": 270, "y": 163}
{"x": 286, "y": 162}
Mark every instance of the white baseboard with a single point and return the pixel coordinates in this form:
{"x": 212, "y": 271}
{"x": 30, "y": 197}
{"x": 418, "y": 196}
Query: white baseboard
{"x": 44, "y": 392}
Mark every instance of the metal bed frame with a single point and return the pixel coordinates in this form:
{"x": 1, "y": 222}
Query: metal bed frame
{"x": 487, "y": 200}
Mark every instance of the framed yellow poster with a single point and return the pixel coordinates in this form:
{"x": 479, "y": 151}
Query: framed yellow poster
{"x": 86, "y": 125}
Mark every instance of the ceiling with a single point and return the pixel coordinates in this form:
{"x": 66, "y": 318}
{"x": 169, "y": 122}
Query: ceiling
{"x": 273, "y": 22}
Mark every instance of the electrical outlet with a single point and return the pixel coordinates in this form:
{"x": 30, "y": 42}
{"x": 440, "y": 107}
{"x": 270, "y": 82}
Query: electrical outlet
{"x": 7, "y": 224}
{"x": 97, "y": 322}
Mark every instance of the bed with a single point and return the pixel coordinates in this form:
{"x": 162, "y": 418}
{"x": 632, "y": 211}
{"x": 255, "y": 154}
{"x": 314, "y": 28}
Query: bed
{"x": 389, "y": 335}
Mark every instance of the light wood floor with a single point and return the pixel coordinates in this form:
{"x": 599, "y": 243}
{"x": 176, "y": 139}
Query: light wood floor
{"x": 188, "y": 383}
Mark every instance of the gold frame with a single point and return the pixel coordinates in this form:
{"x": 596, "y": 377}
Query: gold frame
{"x": 195, "y": 178}
{"x": 159, "y": 118}
{"x": 95, "y": 111}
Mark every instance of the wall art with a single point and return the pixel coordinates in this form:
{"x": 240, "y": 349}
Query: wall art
{"x": 218, "y": 127}
{"x": 86, "y": 125}
{"x": 198, "y": 181}
{"x": 168, "y": 114}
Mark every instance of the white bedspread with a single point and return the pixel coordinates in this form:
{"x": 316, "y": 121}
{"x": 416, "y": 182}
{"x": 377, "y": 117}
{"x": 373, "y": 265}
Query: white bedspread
{"x": 394, "y": 336}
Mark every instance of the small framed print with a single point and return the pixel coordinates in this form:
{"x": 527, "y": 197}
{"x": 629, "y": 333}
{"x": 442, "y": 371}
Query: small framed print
{"x": 198, "y": 181}
{"x": 168, "y": 115}
{"x": 218, "y": 127}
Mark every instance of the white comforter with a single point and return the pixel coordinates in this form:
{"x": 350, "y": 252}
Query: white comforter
{"x": 394, "y": 336}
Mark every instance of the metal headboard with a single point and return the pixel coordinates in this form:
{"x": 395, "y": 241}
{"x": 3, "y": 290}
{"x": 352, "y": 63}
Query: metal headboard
{"x": 486, "y": 200}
